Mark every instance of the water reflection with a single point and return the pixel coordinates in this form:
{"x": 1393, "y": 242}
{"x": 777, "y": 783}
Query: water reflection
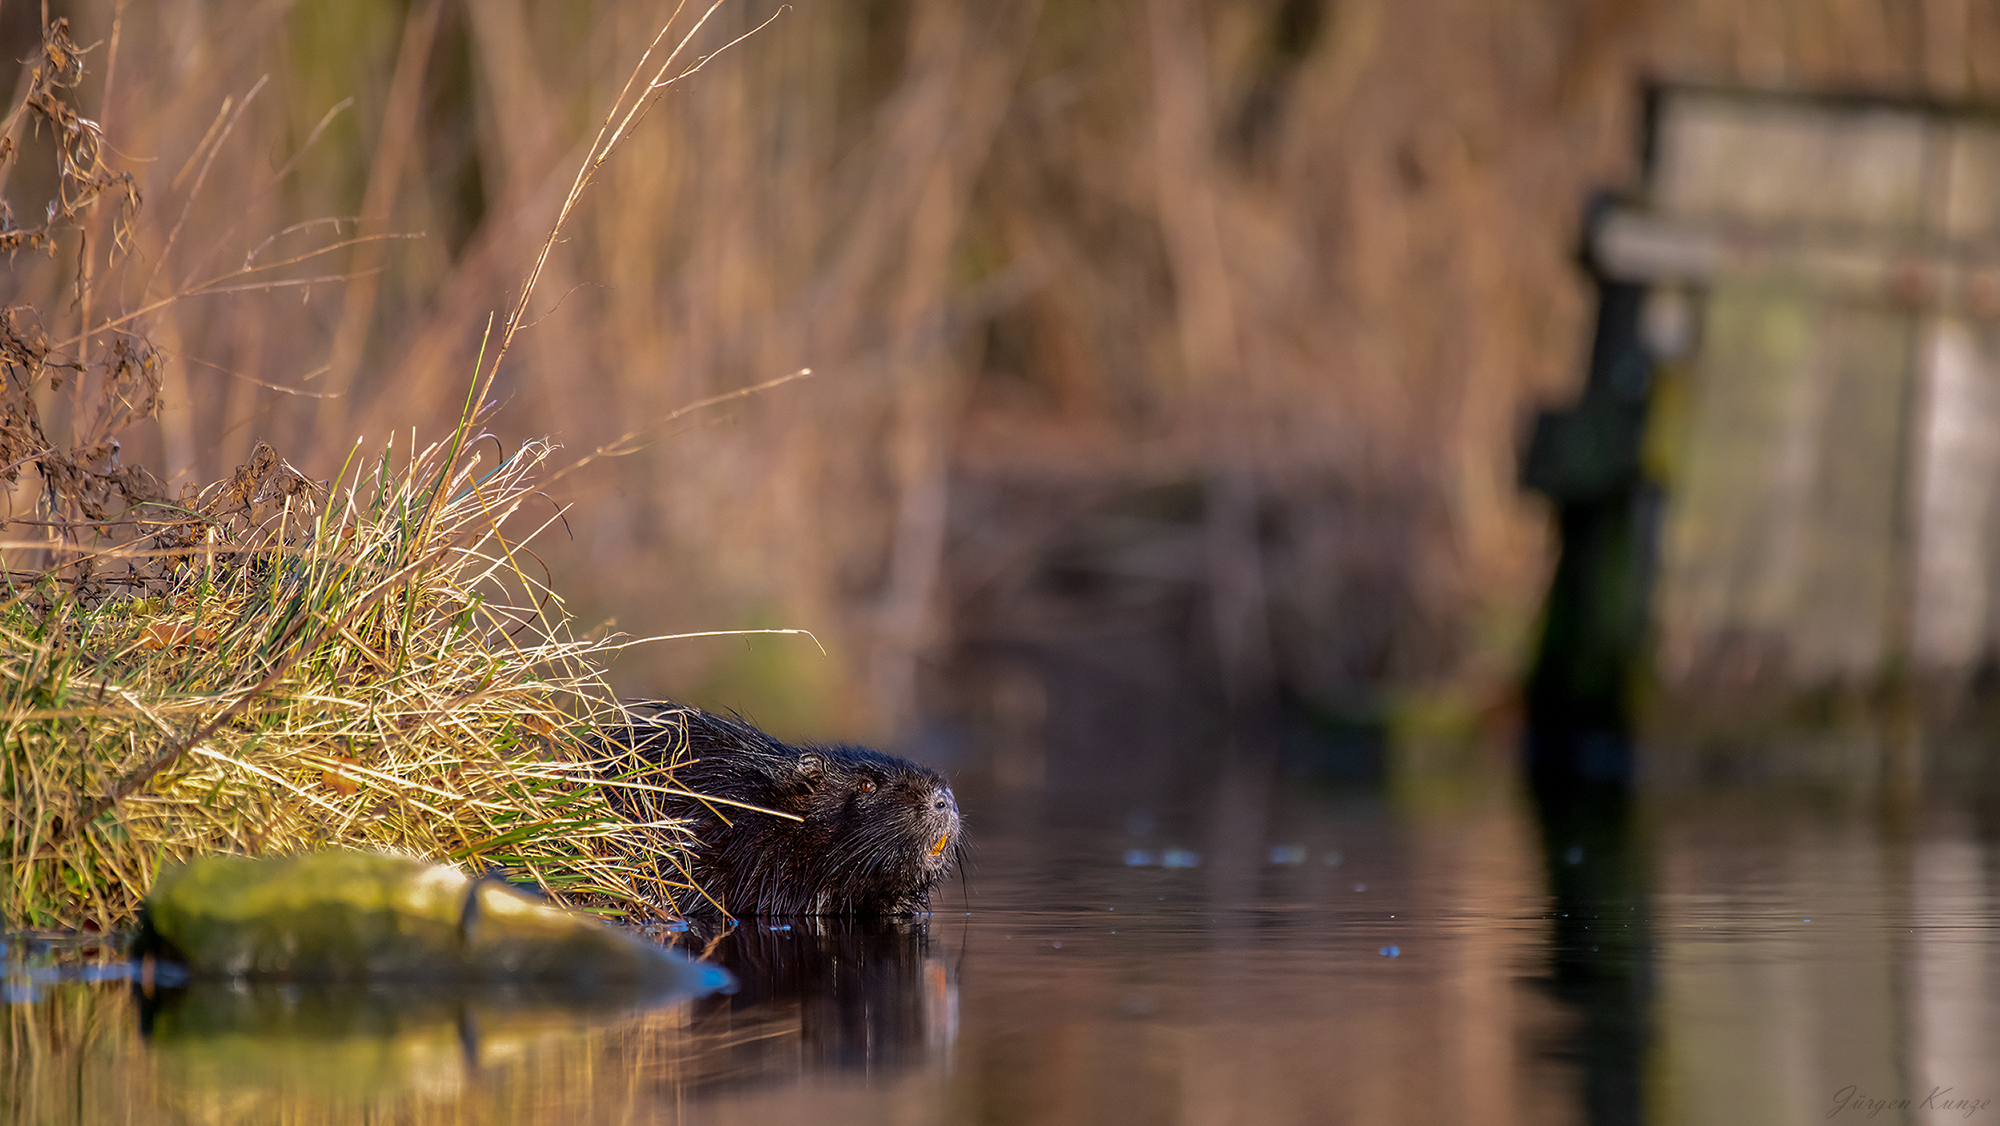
{"x": 363, "y": 1045}
{"x": 95, "y": 1040}
{"x": 1820, "y": 941}
{"x": 825, "y": 995}
{"x": 1600, "y": 915}
{"x": 1431, "y": 950}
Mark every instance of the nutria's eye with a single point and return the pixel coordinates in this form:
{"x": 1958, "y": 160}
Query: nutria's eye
{"x": 867, "y": 785}
{"x": 938, "y": 804}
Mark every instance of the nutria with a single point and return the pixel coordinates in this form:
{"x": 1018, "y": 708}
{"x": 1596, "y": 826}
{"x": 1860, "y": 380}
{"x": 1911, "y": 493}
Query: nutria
{"x": 873, "y": 833}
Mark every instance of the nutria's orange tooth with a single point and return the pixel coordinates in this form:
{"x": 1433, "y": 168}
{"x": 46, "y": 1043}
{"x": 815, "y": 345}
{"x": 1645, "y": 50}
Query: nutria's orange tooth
{"x": 939, "y": 846}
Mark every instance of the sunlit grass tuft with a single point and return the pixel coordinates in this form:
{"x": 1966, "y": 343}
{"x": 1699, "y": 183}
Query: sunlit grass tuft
{"x": 373, "y": 664}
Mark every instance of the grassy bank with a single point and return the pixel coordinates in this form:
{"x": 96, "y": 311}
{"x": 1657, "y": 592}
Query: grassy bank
{"x": 272, "y": 662}
{"x": 369, "y": 662}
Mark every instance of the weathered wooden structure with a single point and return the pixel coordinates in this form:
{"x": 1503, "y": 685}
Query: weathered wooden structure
{"x": 1784, "y": 473}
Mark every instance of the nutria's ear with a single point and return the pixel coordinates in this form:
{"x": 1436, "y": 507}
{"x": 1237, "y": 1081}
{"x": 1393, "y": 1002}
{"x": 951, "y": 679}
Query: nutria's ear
{"x": 811, "y": 767}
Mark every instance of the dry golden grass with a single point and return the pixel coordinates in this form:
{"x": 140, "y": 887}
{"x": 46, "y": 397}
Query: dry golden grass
{"x": 374, "y": 665}
{"x": 271, "y": 664}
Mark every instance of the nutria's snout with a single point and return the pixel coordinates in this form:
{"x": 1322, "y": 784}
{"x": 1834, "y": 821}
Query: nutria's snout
{"x": 941, "y": 828}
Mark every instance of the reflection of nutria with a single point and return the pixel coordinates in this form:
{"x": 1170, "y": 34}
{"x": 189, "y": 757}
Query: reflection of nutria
{"x": 821, "y": 995}
{"x": 873, "y": 833}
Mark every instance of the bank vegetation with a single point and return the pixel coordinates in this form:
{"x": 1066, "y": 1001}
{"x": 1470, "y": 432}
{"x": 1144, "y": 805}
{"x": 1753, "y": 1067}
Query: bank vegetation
{"x": 272, "y": 661}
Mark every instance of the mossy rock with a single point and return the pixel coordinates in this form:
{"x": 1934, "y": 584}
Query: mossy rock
{"x": 341, "y": 916}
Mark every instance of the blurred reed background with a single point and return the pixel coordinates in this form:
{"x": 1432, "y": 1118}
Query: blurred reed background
{"x": 1156, "y": 340}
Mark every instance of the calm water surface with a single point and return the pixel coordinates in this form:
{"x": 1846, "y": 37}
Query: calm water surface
{"x": 1282, "y": 955}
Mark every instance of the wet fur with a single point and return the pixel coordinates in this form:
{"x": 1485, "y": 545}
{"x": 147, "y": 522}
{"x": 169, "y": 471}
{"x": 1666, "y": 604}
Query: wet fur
{"x": 857, "y": 852}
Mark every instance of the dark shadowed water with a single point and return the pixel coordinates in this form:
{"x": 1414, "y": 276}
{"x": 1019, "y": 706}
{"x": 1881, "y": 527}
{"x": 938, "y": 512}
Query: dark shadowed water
{"x": 1283, "y": 953}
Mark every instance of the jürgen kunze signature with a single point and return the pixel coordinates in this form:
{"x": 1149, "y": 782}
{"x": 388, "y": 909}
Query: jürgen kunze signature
{"x": 1850, "y": 1098}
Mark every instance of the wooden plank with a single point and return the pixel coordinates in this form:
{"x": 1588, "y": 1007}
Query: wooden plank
{"x": 1779, "y": 553}
{"x": 1790, "y": 162}
{"x": 1960, "y": 277}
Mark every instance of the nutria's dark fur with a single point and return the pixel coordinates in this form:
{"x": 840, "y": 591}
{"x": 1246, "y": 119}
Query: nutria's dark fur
{"x": 876, "y": 832}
